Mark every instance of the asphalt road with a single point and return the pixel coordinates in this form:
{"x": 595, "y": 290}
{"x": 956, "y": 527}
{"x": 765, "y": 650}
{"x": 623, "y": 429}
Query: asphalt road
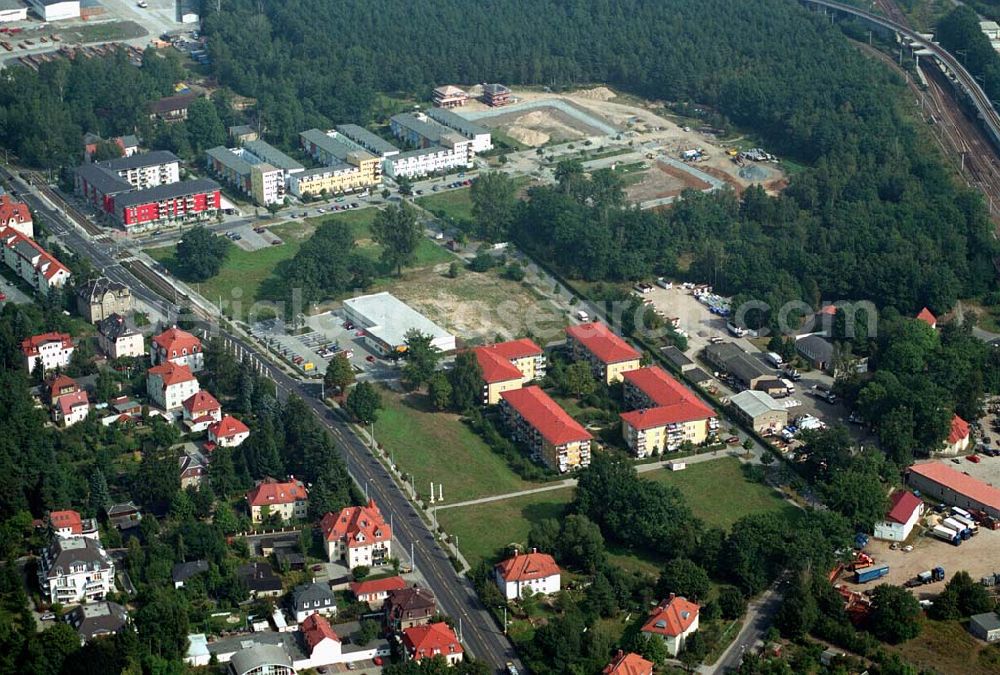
{"x": 759, "y": 618}
{"x": 455, "y": 594}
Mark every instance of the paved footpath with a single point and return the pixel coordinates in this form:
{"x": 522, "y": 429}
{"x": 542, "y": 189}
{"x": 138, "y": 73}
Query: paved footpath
{"x": 571, "y": 482}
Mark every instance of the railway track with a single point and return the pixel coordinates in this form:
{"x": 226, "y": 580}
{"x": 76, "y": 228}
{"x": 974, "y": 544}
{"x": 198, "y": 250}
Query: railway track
{"x": 40, "y": 181}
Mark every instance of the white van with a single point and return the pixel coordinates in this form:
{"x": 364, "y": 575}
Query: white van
{"x": 582, "y": 316}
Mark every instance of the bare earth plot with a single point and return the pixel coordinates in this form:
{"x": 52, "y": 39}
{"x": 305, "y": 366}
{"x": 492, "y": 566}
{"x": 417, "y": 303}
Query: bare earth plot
{"x": 662, "y": 180}
{"x": 478, "y": 307}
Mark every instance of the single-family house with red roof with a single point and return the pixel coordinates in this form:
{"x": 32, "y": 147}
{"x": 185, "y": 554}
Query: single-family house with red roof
{"x": 228, "y": 432}
{"x": 375, "y": 591}
{"x": 905, "y": 509}
{"x": 434, "y": 639}
{"x": 357, "y": 534}
{"x": 673, "y": 621}
{"x": 609, "y": 355}
{"x": 201, "y": 410}
{"x": 68, "y": 523}
{"x": 288, "y": 499}
{"x": 71, "y": 408}
{"x": 554, "y": 437}
{"x": 927, "y": 317}
{"x": 628, "y": 663}
{"x": 322, "y": 641}
{"x": 535, "y": 572}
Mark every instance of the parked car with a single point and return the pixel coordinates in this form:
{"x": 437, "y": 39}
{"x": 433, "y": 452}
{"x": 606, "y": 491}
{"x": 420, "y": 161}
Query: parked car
{"x": 733, "y": 440}
{"x": 258, "y": 230}
{"x": 370, "y": 359}
{"x": 48, "y": 616}
{"x": 973, "y": 458}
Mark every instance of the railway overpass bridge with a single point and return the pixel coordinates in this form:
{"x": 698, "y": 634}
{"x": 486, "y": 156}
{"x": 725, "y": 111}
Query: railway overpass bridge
{"x": 921, "y": 45}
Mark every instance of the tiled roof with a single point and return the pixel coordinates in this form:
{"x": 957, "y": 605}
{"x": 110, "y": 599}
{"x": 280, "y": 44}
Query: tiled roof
{"x": 228, "y": 427}
{"x": 11, "y": 211}
{"x": 59, "y": 383}
{"x": 961, "y": 483}
{"x": 431, "y": 639}
{"x": 172, "y": 103}
{"x": 528, "y": 566}
{"x": 175, "y": 339}
{"x": 360, "y": 525}
{"x": 496, "y": 368}
{"x": 201, "y": 402}
{"x": 360, "y": 588}
{"x": 541, "y": 412}
{"x": 114, "y": 327}
{"x": 959, "y": 430}
{"x": 68, "y": 402}
{"x": 30, "y": 346}
{"x": 927, "y": 317}
{"x": 515, "y": 349}
{"x": 410, "y": 600}
{"x": 270, "y": 491}
{"x": 602, "y": 343}
{"x": 664, "y": 390}
{"x": 902, "y": 506}
{"x": 672, "y": 617}
{"x": 651, "y": 418}
{"x": 315, "y": 629}
{"x": 171, "y": 373}
{"x": 629, "y": 664}
{"x": 61, "y": 520}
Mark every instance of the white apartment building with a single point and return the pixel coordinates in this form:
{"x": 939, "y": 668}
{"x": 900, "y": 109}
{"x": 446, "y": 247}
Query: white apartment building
{"x": 52, "y": 350}
{"x": 425, "y": 161}
{"x": 75, "y": 569}
{"x": 535, "y": 572}
{"x": 169, "y": 385}
{"x": 359, "y": 535}
{"x": 146, "y": 170}
{"x": 482, "y": 139}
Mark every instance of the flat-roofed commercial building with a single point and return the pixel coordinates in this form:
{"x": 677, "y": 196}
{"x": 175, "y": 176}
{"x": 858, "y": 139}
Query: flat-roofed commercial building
{"x": 554, "y": 437}
{"x": 13, "y": 10}
{"x": 386, "y": 320}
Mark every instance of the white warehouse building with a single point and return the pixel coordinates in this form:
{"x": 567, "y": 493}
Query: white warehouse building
{"x": 386, "y": 320}
{"x": 55, "y": 10}
{"x": 13, "y": 10}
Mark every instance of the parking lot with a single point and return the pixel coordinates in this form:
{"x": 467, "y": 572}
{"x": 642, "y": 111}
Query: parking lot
{"x": 323, "y": 337}
{"x": 250, "y": 238}
{"x": 977, "y": 556}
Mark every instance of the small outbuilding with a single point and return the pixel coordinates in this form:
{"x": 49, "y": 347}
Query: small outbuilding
{"x": 985, "y": 626}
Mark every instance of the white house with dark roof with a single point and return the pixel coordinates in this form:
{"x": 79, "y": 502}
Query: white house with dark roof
{"x": 75, "y": 569}
{"x": 97, "y": 619}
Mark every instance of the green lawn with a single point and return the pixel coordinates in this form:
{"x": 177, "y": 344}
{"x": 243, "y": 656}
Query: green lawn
{"x": 438, "y": 447}
{"x": 484, "y": 530}
{"x": 455, "y": 204}
{"x": 244, "y": 272}
{"x": 718, "y": 493}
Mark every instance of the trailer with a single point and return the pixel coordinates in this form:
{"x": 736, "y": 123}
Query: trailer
{"x": 775, "y": 359}
{"x": 871, "y": 574}
{"x": 968, "y": 522}
{"x": 957, "y": 511}
{"x": 963, "y": 531}
{"x": 946, "y": 534}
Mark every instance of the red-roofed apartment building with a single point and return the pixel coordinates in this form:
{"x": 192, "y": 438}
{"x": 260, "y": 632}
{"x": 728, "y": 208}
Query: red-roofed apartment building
{"x": 673, "y": 620}
{"x": 958, "y": 437}
{"x": 434, "y": 639}
{"x": 534, "y": 419}
{"x": 507, "y": 366}
{"x": 228, "y": 432}
{"x": 16, "y": 216}
{"x": 940, "y": 481}
{"x": 609, "y": 356}
{"x": 178, "y": 346}
{"x": 927, "y": 317}
{"x": 53, "y": 350}
{"x": 537, "y": 572}
{"x": 200, "y": 411}
{"x": 31, "y": 262}
{"x": 324, "y": 644}
{"x": 169, "y": 385}
{"x": 665, "y": 413}
{"x": 375, "y": 591}
{"x": 359, "y": 535}
{"x": 628, "y": 664}
{"x": 905, "y": 509}
{"x": 288, "y": 499}
{"x": 68, "y": 523}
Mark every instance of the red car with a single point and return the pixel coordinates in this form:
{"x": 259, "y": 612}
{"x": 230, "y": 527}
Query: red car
{"x": 973, "y": 458}
{"x": 377, "y": 660}
{"x": 360, "y": 333}
{"x": 733, "y": 440}
{"x": 3, "y": 296}
{"x": 370, "y": 359}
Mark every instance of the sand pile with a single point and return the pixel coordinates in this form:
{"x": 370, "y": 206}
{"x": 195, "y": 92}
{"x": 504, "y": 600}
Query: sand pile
{"x": 596, "y": 94}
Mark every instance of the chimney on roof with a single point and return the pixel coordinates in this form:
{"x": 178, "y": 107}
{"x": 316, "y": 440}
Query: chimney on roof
{"x": 672, "y": 596}
{"x": 534, "y": 550}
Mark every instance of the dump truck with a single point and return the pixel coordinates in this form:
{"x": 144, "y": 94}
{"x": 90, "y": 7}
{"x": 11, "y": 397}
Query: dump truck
{"x": 946, "y": 534}
{"x": 870, "y": 574}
